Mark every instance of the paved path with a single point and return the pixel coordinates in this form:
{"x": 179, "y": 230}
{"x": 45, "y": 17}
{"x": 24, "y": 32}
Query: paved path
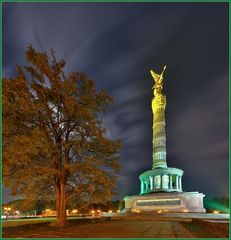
{"x": 122, "y": 229}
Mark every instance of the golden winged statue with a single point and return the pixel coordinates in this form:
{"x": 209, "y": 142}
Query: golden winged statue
{"x": 158, "y": 86}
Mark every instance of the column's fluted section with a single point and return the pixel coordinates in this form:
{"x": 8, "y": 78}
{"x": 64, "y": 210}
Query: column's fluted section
{"x": 159, "y": 135}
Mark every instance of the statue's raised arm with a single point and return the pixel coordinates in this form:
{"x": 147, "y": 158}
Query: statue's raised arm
{"x": 158, "y": 86}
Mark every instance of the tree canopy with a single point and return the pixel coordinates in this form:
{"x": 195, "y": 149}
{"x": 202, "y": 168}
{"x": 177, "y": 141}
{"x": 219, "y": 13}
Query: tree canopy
{"x": 54, "y": 144}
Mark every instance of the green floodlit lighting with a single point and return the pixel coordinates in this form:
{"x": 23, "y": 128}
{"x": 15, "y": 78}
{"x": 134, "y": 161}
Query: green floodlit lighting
{"x": 216, "y": 206}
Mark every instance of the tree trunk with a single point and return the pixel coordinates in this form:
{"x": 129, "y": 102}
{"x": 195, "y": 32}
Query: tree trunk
{"x": 57, "y": 199}
{"x": 61, "y": 205}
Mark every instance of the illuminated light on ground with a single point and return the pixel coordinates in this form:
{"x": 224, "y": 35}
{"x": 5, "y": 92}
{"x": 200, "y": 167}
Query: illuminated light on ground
{"x": 118, "y": 211}
{"x": 7, "y": 208}
{"x": 110, "y": 211}
{"x": 136, "y": 210}
{"x": 98, "y": 211}
{"x": 185, "y": 210}
{"x": 74, "y": 211}
{"x": 160, "y": 211}
{"x": 165, "y": 210}
{"x": 216, "y": 212}
{"x": 93, "y": 211}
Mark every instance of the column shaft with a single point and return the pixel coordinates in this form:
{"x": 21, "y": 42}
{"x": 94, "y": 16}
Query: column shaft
{"x": 151, "y": 182}
{"x": 159, "y": 135}
{"x": 162, "y": 182}
{"x": 180, "y": 185}
{"x": 177, "y": 182}
{"x": 170, "y": 181}
{"x": 142, "y": 186}
{"x": 147, "y": 188}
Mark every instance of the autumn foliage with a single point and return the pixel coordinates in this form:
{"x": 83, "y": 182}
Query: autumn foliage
{"x": 54, "y": 145}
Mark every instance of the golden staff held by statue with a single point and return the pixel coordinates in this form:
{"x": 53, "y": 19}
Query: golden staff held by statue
{"x": 158, "y": 86}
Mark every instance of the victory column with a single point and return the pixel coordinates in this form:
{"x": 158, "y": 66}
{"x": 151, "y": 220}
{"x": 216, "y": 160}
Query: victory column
{"x": 161, "y": 187}
{"x": 160, "y": 178}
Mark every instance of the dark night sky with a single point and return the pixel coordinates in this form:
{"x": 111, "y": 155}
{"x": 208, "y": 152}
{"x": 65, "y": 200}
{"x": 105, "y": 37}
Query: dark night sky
{"x": 116, "y": 44}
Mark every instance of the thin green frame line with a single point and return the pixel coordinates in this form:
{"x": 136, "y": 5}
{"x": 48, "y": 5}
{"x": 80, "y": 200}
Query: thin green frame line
{"x": 119, "y": 1}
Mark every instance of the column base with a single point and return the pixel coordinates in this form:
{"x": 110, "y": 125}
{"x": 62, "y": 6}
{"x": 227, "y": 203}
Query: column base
{"x": 161, "y": 180}
{"x": 165, "y": 202}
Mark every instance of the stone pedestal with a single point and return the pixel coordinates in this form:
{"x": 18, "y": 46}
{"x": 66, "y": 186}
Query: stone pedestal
{"x": 166, "y": 202}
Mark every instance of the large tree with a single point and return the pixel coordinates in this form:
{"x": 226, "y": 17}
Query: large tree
{"x": 54, "y": 144}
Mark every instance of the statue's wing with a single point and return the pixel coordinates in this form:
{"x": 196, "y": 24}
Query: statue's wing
{"x": 164, "y": 68}
{"x": 154, "y": 75}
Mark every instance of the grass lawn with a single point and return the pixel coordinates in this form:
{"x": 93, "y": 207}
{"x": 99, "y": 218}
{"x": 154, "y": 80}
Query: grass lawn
{"x": 203, "y": 229}
{"x": 20, "y": 222}
{"x": 26, "y": 227}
